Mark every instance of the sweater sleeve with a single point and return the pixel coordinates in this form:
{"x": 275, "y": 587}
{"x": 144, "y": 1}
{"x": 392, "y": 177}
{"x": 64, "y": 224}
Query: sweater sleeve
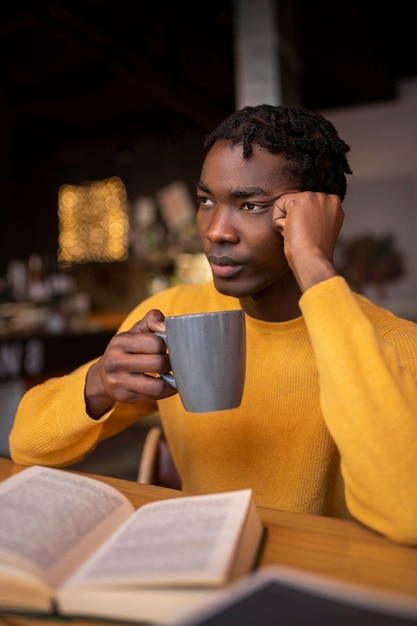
{"x": 368, "y": 394}
{"x": 52, "y": 426}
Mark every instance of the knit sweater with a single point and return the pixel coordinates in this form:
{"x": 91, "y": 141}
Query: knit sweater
{"x": 327, "y": 424}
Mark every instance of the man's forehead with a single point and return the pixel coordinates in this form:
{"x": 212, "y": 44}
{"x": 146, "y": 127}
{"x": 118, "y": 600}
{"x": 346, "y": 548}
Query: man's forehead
{"x": 225, "y": 161}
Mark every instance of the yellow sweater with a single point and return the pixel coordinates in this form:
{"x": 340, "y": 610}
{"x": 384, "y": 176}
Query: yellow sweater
{"x": 327, "y": 425}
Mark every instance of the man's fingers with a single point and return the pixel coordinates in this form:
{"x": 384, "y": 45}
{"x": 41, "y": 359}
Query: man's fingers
{"x": 153, "y": 321}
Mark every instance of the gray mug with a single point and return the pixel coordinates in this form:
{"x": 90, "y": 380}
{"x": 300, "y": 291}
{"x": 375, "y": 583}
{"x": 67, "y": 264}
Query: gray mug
{"x": 208, "y": 359}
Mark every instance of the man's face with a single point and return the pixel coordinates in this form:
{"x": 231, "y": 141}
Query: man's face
{"x": 234, "y": 219}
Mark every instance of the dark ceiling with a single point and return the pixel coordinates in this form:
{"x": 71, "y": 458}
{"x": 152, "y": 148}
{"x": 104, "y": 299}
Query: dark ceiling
{"x": 80, "y": 69}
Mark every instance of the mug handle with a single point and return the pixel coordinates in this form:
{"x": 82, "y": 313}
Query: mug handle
{"x": 169, "y": 378}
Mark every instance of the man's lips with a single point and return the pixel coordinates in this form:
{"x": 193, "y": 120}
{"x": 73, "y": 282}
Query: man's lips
{"x": 224, "y": 267}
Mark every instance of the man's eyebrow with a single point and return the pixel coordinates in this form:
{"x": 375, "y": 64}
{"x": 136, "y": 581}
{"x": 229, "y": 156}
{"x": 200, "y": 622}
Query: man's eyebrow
{"x": 249, "y": 192}
{"x": 202, "y": 187}
{"x": 237, "y": 193}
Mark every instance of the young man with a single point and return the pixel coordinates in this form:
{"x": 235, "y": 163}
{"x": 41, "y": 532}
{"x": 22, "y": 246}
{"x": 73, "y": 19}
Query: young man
{"x": 328, "y": 421}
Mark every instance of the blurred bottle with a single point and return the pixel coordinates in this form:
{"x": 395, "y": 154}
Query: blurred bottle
{"x": 37, "y": 288}
{"x": 17, "y": 280}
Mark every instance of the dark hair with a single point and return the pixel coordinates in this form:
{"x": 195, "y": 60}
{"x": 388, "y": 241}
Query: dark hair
{"x": 316, "y": 155}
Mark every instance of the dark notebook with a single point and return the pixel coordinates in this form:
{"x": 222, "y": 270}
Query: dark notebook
{"x": 283, "y": 596}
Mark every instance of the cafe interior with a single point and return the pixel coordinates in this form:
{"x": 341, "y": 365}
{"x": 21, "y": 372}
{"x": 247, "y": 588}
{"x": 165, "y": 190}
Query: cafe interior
{"x": 104, "y": 110}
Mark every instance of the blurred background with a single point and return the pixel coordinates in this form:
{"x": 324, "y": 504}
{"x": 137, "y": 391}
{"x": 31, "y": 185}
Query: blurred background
{"x": 104, "y": 108}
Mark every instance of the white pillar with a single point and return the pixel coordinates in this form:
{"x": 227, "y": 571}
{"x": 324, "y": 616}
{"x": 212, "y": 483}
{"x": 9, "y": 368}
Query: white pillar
{"x": 257, "y": 67}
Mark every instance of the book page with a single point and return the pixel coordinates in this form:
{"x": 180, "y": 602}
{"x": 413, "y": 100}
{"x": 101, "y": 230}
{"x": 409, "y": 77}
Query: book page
{"x": 183, "y": 541}
{"x": 51, "y": 520}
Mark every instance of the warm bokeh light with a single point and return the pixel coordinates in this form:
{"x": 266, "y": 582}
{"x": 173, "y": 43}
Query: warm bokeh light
{"x": 93, "y": 222}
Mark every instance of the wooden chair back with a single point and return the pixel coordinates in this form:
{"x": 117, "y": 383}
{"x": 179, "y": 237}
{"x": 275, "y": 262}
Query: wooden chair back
{"x": 156, "y": 465}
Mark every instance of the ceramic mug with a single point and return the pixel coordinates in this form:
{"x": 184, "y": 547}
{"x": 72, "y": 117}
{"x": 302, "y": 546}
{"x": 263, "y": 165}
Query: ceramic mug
{"x": 208, "y": 359}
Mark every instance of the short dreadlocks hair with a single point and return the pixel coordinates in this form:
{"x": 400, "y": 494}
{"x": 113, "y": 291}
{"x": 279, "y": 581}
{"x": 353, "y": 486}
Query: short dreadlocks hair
{"x": 315, "y": 153}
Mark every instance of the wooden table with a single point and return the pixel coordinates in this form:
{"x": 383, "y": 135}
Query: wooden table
{"x": 341, "y": 549}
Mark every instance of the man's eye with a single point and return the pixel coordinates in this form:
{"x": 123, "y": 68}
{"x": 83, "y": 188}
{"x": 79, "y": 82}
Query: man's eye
{"x": 204, "y": 202}
{"x": 250, "y": 206}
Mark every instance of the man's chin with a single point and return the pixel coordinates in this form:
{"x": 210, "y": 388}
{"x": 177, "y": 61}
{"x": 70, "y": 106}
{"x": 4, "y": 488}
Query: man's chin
{"x": 230, "y": 289}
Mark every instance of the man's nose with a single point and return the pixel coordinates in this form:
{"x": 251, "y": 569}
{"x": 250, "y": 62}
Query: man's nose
{"x": 221, "y": 226}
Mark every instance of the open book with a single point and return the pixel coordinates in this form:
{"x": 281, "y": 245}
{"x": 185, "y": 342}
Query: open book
{"x": 74, "y": 546}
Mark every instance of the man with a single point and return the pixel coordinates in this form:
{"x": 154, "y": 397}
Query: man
{"x": 328, "y": 421}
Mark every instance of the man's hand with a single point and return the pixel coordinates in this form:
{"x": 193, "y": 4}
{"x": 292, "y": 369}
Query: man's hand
{"x": 122, "y": 374}
{"x": 310, "y": 223}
